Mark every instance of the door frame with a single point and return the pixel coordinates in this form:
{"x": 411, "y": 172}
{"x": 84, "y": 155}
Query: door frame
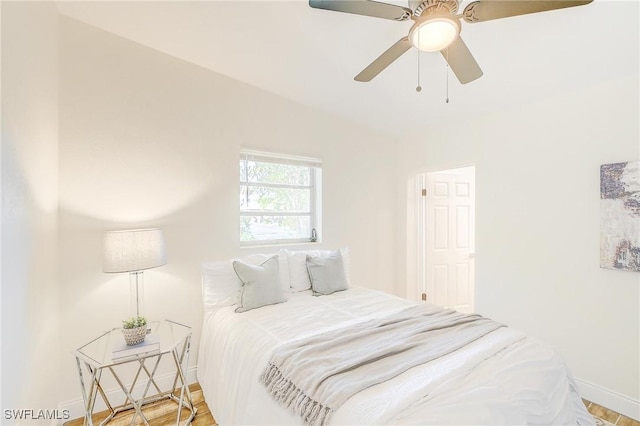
{"x": 416, "y": 230}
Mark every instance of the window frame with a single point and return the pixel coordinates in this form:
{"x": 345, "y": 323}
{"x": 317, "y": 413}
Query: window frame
{"x": 315, "y": 193}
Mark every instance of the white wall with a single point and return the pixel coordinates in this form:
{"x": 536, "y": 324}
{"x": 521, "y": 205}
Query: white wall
{"x": 150, "y": 140}
{"x": 29, "y": 209}
{"x": 537, "y": 225}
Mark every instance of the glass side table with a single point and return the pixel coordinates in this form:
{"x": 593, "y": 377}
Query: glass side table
{"x": 108, "y": 352}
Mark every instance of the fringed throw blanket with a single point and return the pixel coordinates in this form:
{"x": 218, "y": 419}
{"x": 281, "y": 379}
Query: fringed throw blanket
{"x": 314, "y": 376}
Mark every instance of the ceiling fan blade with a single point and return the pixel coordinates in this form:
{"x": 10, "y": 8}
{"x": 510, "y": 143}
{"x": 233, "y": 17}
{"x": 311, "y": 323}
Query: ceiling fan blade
{"x": 480, "y": 11}
{"x": 461, "y": 61}
{"x": 364, "y": 7}
{"x": 384, "y": 60}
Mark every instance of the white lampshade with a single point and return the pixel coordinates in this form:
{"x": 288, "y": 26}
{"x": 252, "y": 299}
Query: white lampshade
{"x": 133, "y": 250}
{"x": 434, "y": 33}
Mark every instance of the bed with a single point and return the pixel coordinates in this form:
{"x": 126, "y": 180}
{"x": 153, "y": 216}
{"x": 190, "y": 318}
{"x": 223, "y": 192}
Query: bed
{"x": 500, "y": 376}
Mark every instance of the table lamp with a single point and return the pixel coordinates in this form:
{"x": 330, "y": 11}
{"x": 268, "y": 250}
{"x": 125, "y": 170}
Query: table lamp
{"x": 134, "y": 251}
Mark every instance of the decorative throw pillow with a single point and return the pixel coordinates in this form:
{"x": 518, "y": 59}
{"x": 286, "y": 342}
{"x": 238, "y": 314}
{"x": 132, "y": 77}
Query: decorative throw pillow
{"x": 326, "y": 273}
{"x": 297, "y": 263}
{"x": 260, "y": 284}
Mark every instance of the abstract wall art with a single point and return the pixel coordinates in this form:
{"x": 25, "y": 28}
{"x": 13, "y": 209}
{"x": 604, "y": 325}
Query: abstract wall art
{"x": 620, "y": 216}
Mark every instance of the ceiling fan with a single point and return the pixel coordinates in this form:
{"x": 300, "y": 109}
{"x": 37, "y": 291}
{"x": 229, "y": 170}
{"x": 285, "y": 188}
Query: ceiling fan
{"x": 437, "y": 27}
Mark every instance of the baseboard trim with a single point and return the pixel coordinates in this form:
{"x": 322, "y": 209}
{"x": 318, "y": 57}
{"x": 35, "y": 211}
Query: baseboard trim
{"x": 76, "y": 406}
{"x": 617, "y": 402}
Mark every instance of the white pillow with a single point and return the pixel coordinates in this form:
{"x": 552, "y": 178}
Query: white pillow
{"x": 220, "y": 284}
{"x": 284, "y": 270}
{"x": 298, "y": 274}
{"x": 326, "y": 274}
{"x": 260, "y": 284}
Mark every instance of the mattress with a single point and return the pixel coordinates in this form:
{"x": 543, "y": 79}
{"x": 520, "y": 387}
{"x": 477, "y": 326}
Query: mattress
{"x": 505, "y": 377}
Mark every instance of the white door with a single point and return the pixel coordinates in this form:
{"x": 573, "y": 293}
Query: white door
{"x": 449, "y": 238}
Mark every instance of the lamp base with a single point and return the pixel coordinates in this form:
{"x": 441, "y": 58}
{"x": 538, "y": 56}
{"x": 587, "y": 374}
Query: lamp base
{"x": 136, "y": 291}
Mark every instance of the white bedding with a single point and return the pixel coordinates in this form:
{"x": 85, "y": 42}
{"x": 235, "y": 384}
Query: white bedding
{"x": 502, "y": 378}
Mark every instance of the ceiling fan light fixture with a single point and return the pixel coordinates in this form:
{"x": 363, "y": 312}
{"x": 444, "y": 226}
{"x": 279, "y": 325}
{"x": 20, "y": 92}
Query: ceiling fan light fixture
{"x": 434, "y": 33}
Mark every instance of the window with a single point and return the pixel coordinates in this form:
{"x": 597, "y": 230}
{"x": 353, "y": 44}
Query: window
{"x": 279, "y": 198}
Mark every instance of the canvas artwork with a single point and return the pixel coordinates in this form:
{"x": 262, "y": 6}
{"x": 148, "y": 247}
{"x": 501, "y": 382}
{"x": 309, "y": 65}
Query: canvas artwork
{"x": 620, "y": 216}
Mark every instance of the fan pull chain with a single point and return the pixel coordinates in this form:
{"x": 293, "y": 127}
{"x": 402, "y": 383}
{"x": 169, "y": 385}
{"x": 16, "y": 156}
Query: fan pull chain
{"x": 447, "y": 100}
{"x": 418, "y": 87}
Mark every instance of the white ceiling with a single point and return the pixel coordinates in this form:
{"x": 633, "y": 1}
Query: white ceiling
{"x": 311, "y": 56}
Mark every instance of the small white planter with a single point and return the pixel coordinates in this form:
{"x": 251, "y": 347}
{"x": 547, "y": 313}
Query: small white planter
{"x": 133, "y": 336}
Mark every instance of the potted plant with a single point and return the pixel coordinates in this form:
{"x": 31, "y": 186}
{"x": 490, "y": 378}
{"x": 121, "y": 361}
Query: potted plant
{"x": 134, "y": 330}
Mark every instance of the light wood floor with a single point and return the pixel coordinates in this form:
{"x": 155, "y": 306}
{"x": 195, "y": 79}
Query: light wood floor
{"x": 609, "y": 416}
{"x": 159, "y": 413}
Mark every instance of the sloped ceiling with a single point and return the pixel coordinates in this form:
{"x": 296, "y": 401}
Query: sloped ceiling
{"x": 311, "y": 56}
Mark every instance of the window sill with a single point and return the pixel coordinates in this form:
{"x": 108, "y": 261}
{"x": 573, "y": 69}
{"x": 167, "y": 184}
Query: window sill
{"x": 279, "y": 245}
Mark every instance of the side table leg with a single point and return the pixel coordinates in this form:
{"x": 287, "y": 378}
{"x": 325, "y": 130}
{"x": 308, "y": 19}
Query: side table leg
{"x": 185, "y": 393}
{"x": 90, "y": 395}
{"x": 85, "y": 396}
{"x": 137, "y": 405}
{"x": 151, "y": 375}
